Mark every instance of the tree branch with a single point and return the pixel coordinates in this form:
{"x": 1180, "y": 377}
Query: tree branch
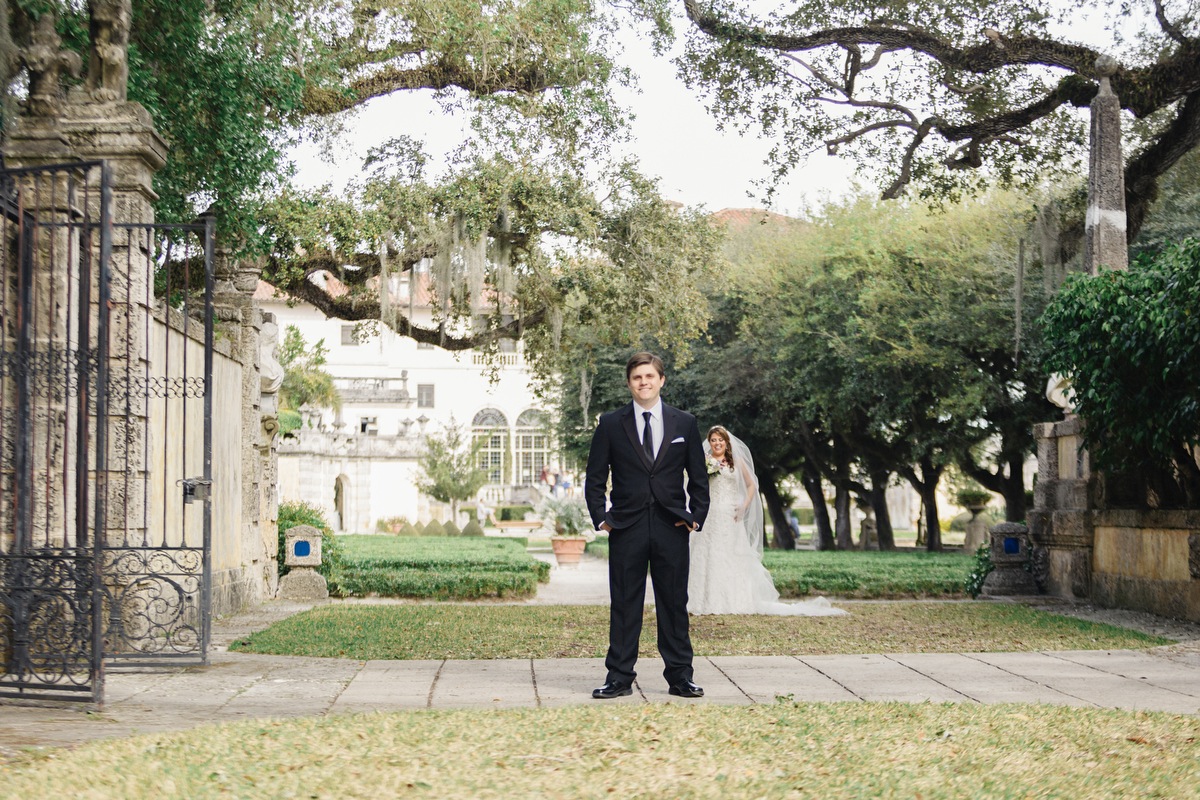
{"x": 893, "y": 191}
{"x": 362, "y": 307}
{"x": 528, "y": 79}
{"x": 982, "y": 58}
{"x": 1143, "y": 170}
{"x": 1169, "y": 28}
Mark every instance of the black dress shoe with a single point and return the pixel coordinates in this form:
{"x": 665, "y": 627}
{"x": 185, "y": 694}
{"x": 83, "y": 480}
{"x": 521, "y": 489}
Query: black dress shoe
{"x": 612, "y": 689}
{"x": 686, "y": 689}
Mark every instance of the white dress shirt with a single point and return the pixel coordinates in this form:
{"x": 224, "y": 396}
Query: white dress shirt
{"x": 656, "y": 424}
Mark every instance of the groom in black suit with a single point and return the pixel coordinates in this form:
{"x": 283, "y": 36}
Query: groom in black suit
{"x": 647, "y": 446}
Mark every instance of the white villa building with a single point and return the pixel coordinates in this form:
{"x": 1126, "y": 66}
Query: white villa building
{"x": 360, "y": 465}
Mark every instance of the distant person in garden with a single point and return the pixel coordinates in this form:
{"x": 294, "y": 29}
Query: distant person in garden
{"x": 647, "y": 447}
{"x": 727, "y": 575}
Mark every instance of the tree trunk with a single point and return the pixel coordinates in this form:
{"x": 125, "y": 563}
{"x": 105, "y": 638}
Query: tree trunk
{"x": 933, "y": 528}
{"x": 883, "y": 517}
{"x": 926, "y": 484}
{"x": 783, "y": 538}
{"x": 812, "y": 484}
{"x": 841, "y": 508}
{"x": 841, "y": 501}
{"x": 1014, "y": 490}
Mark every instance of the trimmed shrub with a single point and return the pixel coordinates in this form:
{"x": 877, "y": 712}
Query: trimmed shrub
{"x": 433, "y": 528}
{"x": 441, "y": 568}
{"x": 450, "y": 529}
{"x": 409, "y": 530}
{"x": 472, "y": 528}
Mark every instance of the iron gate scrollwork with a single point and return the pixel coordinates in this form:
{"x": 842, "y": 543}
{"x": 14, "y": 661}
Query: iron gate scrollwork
{"x": 157, "y": 567}
{"x": 54, "y": 243}
{"x": 106, "y": 360}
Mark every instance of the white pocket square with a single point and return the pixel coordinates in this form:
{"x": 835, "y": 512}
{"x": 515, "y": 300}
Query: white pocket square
{"x": 677, "y": 440}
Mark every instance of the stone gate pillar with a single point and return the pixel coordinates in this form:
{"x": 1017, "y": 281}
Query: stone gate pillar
{"x": 1068, "y": 493}
{"x": 254, "y": 345}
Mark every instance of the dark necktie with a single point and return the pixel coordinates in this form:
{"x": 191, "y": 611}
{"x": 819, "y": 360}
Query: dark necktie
{"x": 648, "y": 437}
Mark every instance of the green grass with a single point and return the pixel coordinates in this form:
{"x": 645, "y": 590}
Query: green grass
{"x": 798, "y": 573}
{"x": 467, "y": 632}
{"x": 442, "y": 568}
{"x": 784, "y": 750}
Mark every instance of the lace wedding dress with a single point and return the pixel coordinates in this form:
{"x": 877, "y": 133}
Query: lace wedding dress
{"x": 726, "y": 574}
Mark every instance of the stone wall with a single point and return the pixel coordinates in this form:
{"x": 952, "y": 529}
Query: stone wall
{"x": 1145, "y": 560}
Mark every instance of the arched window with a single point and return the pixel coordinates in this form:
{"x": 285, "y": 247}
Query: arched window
{"x": 491, "y": 426}
{"x": 532, "y": 446}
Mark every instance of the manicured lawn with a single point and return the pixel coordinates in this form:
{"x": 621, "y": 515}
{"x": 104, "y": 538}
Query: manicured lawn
{"x": 437, "y": 567}
{"x": 492, "y": 631}
{"x": 828, "y": 750}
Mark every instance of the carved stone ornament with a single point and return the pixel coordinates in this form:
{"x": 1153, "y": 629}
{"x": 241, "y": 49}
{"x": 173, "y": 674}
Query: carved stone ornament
{"x": 108, "y": 66}
{"x": 45, "y": 59}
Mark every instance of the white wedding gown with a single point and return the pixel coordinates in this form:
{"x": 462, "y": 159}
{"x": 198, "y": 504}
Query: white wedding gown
{"x": 726, "y": 575}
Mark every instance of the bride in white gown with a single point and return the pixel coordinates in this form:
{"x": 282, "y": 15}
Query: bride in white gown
{"x": 726, "y": 574}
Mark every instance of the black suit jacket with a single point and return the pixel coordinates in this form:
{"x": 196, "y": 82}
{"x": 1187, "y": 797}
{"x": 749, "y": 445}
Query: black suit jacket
{"x": 636, "y": 483}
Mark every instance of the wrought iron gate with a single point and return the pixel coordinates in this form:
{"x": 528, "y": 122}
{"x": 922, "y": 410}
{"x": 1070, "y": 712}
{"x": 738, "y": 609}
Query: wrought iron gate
{"x": 53, "y": 390}
{"x": 106, "y": 358}
{"x": 157, "y": 565}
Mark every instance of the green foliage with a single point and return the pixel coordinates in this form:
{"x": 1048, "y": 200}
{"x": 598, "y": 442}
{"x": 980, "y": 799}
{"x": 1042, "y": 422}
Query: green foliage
{"x": 866, "y": 574}
{"x": 289, "y": 421}
{"x": 433, "y": 528}
{"x": 450, "y": 471}
{"x": 472, "y": 528}
{"x": 805, "y": 516}
{"x": 567, "y": 515}
{"x": 305, "y": 382}
{"x": 980, "y": 570}
{"x": 1130, "y": 343}
{"x": 298, "y": 512}
{"x": 450, "y": 529}
{"x": 439, "y": 567}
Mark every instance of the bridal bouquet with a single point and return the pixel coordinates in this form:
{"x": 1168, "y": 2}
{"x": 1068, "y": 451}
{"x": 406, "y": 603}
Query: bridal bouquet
{"x": 712, "y": 465}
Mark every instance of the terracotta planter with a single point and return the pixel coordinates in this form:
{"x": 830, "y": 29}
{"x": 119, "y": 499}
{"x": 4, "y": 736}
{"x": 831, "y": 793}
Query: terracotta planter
{"x": 568, "y": 549}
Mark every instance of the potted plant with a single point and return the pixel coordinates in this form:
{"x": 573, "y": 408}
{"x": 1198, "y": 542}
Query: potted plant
{"x": 570, "y": 523}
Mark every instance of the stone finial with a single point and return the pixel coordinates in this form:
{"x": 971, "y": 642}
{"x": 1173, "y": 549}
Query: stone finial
{"x": 45, "y": 59}
{"x": 1106, "y": 66}
{"x": 108, "y": 63}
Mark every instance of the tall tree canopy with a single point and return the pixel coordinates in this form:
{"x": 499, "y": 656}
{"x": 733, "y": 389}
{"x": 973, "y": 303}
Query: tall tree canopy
{"x": 531, "y": 214}
{"x": 944, "y": 95}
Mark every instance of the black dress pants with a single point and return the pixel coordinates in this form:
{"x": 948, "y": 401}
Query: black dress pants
{"x": 655, "y": 541}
